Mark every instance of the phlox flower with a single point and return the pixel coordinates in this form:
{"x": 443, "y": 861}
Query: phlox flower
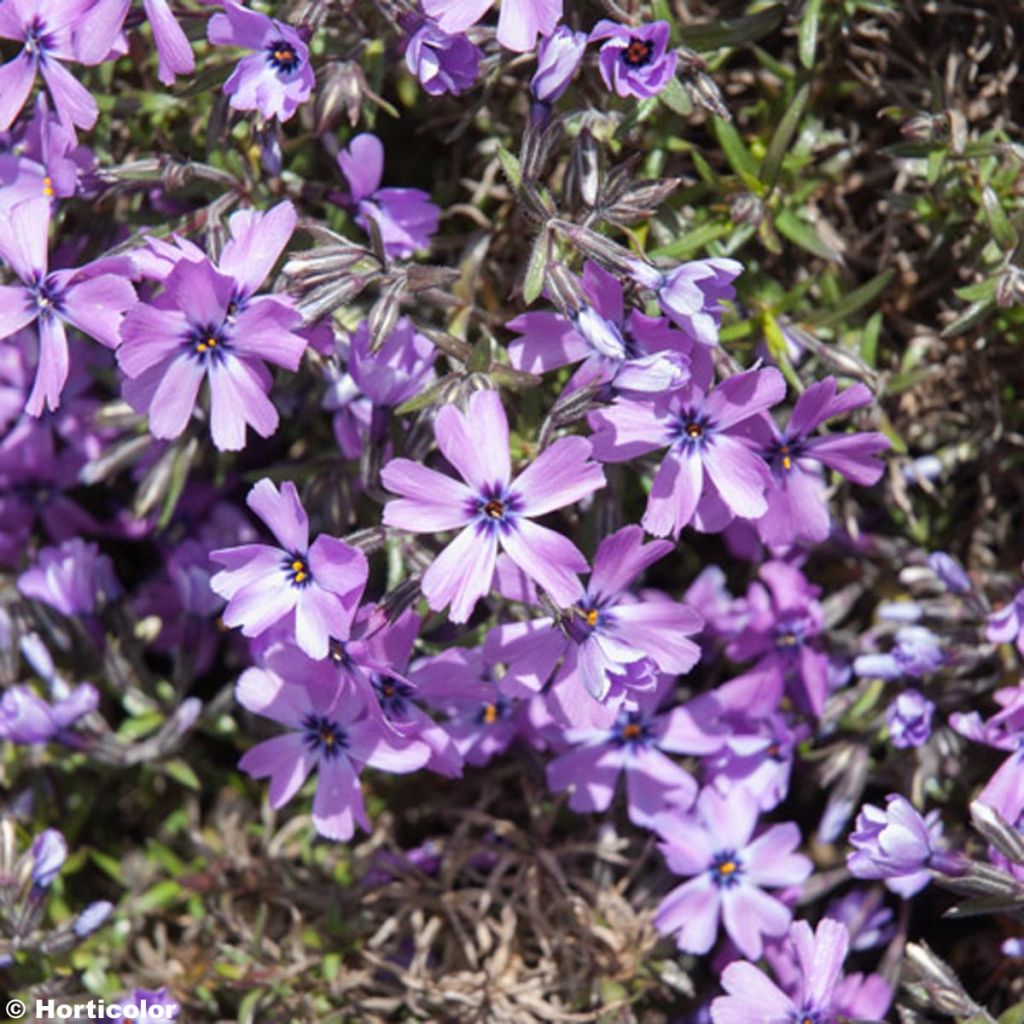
{"x": 328, "y": 733}
{"x": 558, "y": 58}
{"x": 316, "y": 587}
{"x": 635, "y": 60}
{"x": 490, "y": 509}
{"x": 519, "y": 21}
{"x": 709, "y": 473}
{"x": 731, "y": 869}
{"x": 405, "y": 216}
{"x": 26, "y": 718}
{"x": 443, "y": 62}
{"x": 92, "y": 298}
{"x": 208, "y": 324}
{"x": 635, "y": 744}
{"x": 278, "y": 77}
{"x": 72, "y": 578}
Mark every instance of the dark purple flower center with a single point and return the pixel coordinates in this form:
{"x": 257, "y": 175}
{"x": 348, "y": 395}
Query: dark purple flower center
{"x": 37, "y": 40}
{"x": 632, "y": 731}
{"x": 637, "y": 52}
{"x": 283, "y": 56}
{"x": 296, "y": 569}
{"x": 393, "y": 694}
{"x": 324, "y": 736}
{"x": 495, "y": 509}
{"x": 580, "y": 621}
{"x": 808, "y": 1016}
{"x": 791, "y": 632}
{"x": 208, "y": 345}
{"x": 784, "y": 453}
{"x": 48, "y": 298}
{"x": 726, "y": 869}
{"x": 491, "y": 713}
{"x": 692, "y": 428}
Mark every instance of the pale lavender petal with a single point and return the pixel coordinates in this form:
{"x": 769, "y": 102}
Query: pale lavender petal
{"x": 24, "y": 238}
{"x": 476, "y": 444}
{"x": 853, "y": 455}
{"x": 690, "y": 913}
{"x": 172, "y": 45}
{"x": 561, "y": 475}
{"x": 16, "y": 78}
{"x": 821, "y": 957}
{"x": 282, "y": 512}
{"x": 17, "y": 309}
{"x": 548, "y": 558}
{"x": 687, "y": 849}
{"x": 319, "y": 615}
{"x": 521, "y": 21}
{"x": 257, "y": 241}
{"x": 621, "y": 558}
{"x": 752, "y": 997}
{"x": 660, "y": 629}
{"x": 730, "y": 818}
{"x": 265, "y": 693}
{"x": 52, "y": 371}
{"x": 651, "y": 778}
{"x": 339, "y": 567}
{"x": 362, "y": 163}
{"x": 770, "y": 861}
{"x": 741, "y": 396}
{"x": 264, "y": 331}
{"x": 285, "y": 759}
{"x": 95, "y": 306}
{"x": 456, "y": 15}
{"x": 627, "y": 429}
{"x": 257, "y": 607}
{"x": 238, "y": 396}
{"x": 591, "y": 772}
{"x": 175, "y": 397}
{"x": 461, "y": 574}
{"x": 150, "y": 336}
{"x": 548, "y": 342}
{"x": 245, "y": 564}
{"x": 739, "y": 475}
{"x": 674, "y": 493}
{"x": 338, "y": 802}
{"x": 72, "y": 101}
{"x": 430, "y": 502}
{"x": 748, "y": 914}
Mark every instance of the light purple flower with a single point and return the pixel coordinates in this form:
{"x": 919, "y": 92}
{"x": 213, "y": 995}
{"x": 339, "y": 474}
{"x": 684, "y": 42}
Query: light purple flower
{"x": 909, "y": 718}
{"x": 106, "y": 20}
{"x": 400, "y": 368}
{"x": 443, "y": 63}
{"x": 519, "y": 21}
{"x": 635, "y": 354}
{"x": 1006, "y": 624}
{"x": 327, "y": 733}
{"x": 405, "y": 216}
{"x": 278, "y": 77}
{"x": 74, "y": 578}
{"x": 48, "y": 31}
{"x": 709, "y": 473}
{"x": 208, "y": 325}
{"x": 895, "y": 844}
{"x": 92, "y": 298}
{"x": 558, "y": 58}
{"x": 950, "y": 572}
{"x": 609, "y": 646}
{"x": 916, "y": 653}
{"x": 49, "y": 852}
{"x": 732, "y": 868}
{"x": 797, "y": 502}
{"x": 692, "y": 293}
{"x": 635, "y": 59}
{"x": 317, "y": 587}
{"x": 26, "y": 718}
{"x": 635, "y": 744}
{"x": 489, "y": 508}
{"x": 93, "y": 917}
{"x": 752, "y": 996}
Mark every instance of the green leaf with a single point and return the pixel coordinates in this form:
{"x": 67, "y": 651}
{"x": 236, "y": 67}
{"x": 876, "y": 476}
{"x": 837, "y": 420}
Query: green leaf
{"x": 247, "y": 1007}
{"x": 109, "y": 865}
{"x": 480, "y": 357}
{"x": 434, "y": 395}
{"x": 675, "y": 98}
{"x": 1002, "y": 229}
{"x": 511, "y": 166}
{"x": 779, "y": 350}
{"x": 855, "y": 301}
{"x": 181, "y": 771}
{"x": 536, "y": 269}
{"x": 736, "y": 152}
{"x": 977, "y": 292}
{"x": 799, "y": 232}
{"x": 783, "y": 137}
{"x": 973, "y": 314}
{"x": 735, "y": 31}
{"x": 1014, "y": 1015}
{"x": 808, "y": 36}
{"x": 160, "y": 895}
{"x": 692, "y": 241}
{"x": 869, "y": 340}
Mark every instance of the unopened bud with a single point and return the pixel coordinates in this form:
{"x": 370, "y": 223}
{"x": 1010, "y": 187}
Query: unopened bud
{"x": 746, "y": 209}
{"x": 1010, "y": 287}
{"x": 342, "y": 90}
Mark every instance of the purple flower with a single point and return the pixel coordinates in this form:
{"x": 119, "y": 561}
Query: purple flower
{"x": 635, "y": 744}
{"x": 278, "y": 77}
{"x": 26, "y": 718}
{"x": 895, "y": 844}
{"x": 73, "y": 578}
{"x": 49, "y": 852}
{"x": 909, "y": 719}
{"x": 91, "y": 298}
{"x": 106, "y": 19}
{"x": 731, "y": 868}
{"x": 490, "y": 508}
{"x": 519, "y": 21}
{"x": 916, "y": 653}
{"x": 1006, "y": 624}
{"x": 442, "y": 62}
{"x": 692, "y": 293}
{"x": 638, "y": 354}
{"x": 752, "y": 996}
{"x": 950, "y": 572}
{"x": 405, "y": 216}
{"x": 558, "y": 57}
{"x": 709, "y": 473}
{"x": 317, "y": 588}
{"x": 327, "y": 733}
{"x": 783, "y": 624}
{"x": 400, "y": 368}
{"x": 49, "y": 31}
{"x": 797, "y": 502}
{"x": 208, "y": 325}
{"x": 609, "y": 646}
{"x": 94, "y": 915}
{"x": 635, "y": 60}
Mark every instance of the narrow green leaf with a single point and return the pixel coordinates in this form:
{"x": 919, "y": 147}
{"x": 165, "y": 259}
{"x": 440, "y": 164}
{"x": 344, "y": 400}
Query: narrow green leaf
{"x": 691, "y": 242}
{"x": 511, "y": 166}
{"x": 973, "y": 314}
{"x": 735, "y": 31}
{"x": 799, "y": 232}
{"x": 536, "y": 269}
{"x": 160, "y": 895}
{"x": 1014, "y": 1015}
{"x": 480, "y": 357}
{"x": 869, "y": 340}
{"x": 675, "y": 98}
{"x": 434, "y": 395}
{"x": 855, "y": 301}
{"x": 1002, "y": 230}
{"x": 976, "y": 292}
{"x": 779, "y": 350}
{"x": 181, "y": 771}
{"x": 808, "y": 40}
{"x": 783, "y": 137}
{"x": 736, "y": 152}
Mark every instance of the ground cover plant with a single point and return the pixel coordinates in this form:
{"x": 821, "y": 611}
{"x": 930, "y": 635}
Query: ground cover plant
{"x": 512, "y": 514}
